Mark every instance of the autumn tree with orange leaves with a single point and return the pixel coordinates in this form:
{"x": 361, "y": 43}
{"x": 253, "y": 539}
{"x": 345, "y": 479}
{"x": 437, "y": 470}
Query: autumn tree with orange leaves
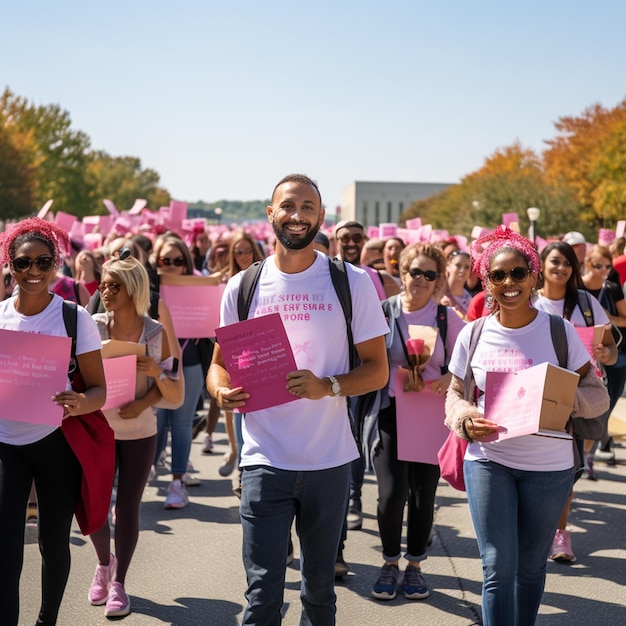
{"x": 579, "y": 182}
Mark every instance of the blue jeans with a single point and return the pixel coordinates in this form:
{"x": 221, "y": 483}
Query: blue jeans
{"x": 179, "y": 421}
{"x": 515, "y": 515}
{"x": 270, "y": 500}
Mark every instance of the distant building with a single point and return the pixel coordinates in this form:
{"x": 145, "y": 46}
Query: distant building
{"x": 372, "y": 203}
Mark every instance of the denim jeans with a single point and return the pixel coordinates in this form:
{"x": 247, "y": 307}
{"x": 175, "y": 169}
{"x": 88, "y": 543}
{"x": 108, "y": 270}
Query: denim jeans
{"x": 179, "y": 421}
{"x": 270, "y": 500}
{"x": 515, "y": 515}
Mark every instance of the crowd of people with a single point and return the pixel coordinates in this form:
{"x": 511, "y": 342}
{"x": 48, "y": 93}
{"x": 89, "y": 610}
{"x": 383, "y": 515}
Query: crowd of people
{"x": 404, "y": 348}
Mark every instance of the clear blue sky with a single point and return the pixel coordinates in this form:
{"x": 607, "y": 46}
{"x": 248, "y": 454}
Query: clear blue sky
{"x": 224, "y": 98}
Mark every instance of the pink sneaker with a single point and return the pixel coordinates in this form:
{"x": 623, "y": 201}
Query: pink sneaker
{"x": 99, "y": 590}
{"x": 118, "y": 603}
{"x": 562, "y": 547}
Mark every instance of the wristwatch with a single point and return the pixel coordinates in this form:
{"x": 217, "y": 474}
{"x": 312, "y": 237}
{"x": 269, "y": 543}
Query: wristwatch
{"x": 335, "y": 386}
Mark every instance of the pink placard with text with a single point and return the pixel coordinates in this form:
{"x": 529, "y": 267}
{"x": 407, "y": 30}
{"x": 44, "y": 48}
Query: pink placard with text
{"x": 121, "y": 377}
{"x": 195, "y": 309}
{"x": 420, "y": 422}
{"x": 258, "y": 357}
{"x": 32, "y": 369}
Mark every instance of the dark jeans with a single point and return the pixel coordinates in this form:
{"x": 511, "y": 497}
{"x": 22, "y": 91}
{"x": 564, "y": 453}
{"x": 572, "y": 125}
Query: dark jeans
{"x": 57, "y": 475}
{"x": 401, "y": 482}
{"x": 270, "y": 500}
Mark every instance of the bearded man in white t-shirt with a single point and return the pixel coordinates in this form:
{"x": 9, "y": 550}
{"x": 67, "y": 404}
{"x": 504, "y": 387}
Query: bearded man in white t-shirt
{"x": 296, "y": 456}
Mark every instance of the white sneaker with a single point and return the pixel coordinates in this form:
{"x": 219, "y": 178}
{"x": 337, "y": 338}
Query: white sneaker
{"x": 191, "y": 481}
{"x": 177, "y": 497}
{"x": 207, "y": 446}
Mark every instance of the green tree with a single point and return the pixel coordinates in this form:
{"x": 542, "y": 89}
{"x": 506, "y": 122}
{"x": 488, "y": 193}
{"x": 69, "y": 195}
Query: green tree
{"x": 60, "y": 154}
{"x": 510, "y": 181}
{"x": 17, "y": 174}
{"x": 122, "y": 180}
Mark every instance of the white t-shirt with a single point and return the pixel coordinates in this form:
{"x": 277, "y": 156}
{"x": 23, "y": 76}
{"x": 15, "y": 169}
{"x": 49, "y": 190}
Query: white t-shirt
{"x": 307, "y": 434}
{"x": 502, "y": 349}
{"x": 556, "y": 308}
{"x": 48, "y": 322}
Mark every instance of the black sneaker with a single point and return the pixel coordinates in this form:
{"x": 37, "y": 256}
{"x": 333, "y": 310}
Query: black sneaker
{"x": 385, "y": 586}
{"x": 414, "y": 585}
{"x": 199, "y": 425}
{"x": 341, "y": 567}
{"x": 355, "y": 516}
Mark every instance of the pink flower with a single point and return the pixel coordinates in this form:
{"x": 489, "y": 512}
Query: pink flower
{"x": 415, "y": 346}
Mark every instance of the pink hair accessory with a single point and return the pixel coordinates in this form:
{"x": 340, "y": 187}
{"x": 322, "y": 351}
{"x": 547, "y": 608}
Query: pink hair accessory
{"x": 484, "y": 248}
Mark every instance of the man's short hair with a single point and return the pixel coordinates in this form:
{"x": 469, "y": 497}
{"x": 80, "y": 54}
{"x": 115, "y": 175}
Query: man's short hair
{"x": 303, "y": 179}
{"x": 347, "y": 224}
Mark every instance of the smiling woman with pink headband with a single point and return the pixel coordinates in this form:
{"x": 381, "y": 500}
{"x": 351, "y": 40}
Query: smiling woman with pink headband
{"x": 516, "y": 488}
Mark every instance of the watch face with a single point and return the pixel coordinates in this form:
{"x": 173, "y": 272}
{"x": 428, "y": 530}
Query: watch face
{"x": 336, "y": 388}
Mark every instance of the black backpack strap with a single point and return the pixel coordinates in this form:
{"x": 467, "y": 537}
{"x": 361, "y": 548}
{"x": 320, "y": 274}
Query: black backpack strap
{"x": 584, "y": 304}
{"x": 70, "y": 319}
{"x": 154, "y": 305}
{"x": 442, "y": 325}
{"x": 247, "y": 286}
{"x": 559, "y": 339}
{"x": 339, "y": 277}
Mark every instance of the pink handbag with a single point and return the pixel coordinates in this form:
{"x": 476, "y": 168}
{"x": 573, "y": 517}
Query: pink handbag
{"x": 450, "y": 457}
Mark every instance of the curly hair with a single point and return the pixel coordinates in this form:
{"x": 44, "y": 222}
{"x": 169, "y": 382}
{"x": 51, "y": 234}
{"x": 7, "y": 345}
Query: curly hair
{"x": 35, "y": 229}
{"x": 501, "y": 240}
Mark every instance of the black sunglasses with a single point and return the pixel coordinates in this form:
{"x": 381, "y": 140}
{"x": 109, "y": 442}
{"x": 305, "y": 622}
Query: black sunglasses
{"x": 356, "y": 237}
{"x": 177, "y": 262}
{"x": 23, "y": 263}
{"x": 114, "y": 288}
{"x": 429, "y": 275}
{"x": 518, "y": 274}
{"x": 457, "y": 252}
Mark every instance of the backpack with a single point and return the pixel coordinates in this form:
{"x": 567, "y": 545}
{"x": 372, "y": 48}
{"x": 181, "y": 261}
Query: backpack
{"x": 247, "y": 287}
{"x": 580, "y": 428}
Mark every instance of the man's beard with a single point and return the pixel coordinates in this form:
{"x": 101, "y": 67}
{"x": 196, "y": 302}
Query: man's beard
{"x": 295, "y": 242}
{"x": 352, "y": 255}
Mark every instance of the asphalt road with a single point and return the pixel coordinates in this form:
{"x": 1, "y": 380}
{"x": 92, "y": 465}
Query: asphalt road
{"x": 187, "y": 568}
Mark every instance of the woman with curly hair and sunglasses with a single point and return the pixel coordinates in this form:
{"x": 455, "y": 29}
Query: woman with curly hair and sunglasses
{"x": 29, "y": 451}
{"x": 422, "y": 274}
{"x": 517, "y": 487}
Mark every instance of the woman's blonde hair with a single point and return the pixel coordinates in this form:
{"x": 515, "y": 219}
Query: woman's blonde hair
{"x": 133, "y": 275}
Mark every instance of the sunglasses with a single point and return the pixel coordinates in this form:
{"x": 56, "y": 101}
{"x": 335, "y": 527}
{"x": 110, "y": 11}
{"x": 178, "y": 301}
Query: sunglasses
{"x": 24, "y": 263}
{"x": 355, "y": 237}
{"x": 518, "y": 274}
{"x": 177, "y": 262}
{"x": 243, "y": 252}
{"x": 429, "y": 275}
{"x": 599, "y": 266}
{"x": 114, "y": 288}
{"x": 457, "y": 253}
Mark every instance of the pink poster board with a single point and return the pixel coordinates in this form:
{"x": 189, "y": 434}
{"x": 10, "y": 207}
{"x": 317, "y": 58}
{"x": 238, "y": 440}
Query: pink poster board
{"x": 65, "y": 220}
{"x": 121, "y": 377}
{"x": 258, "y": 357}
{"x": 388, "y": 229}
{"x": 195, "y": 309}
{"x": 414, "y": 223}
{"x": 420, "y": 421}
{"x": 32, "y": 369}
{"x": 543, "y": 397}
{"x": 510, "y": 218}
